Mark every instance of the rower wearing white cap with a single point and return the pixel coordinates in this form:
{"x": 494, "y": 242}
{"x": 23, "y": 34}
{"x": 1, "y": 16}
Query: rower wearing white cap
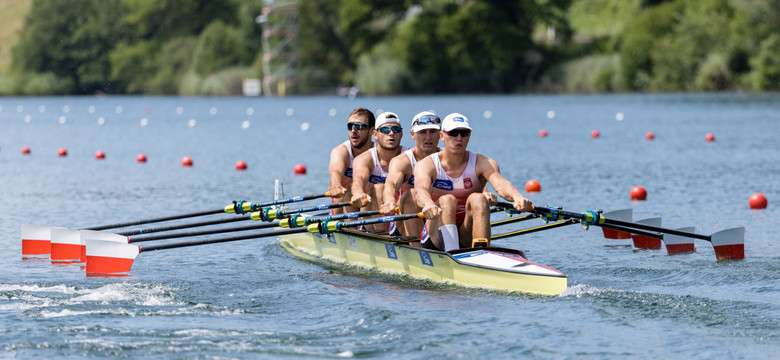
{"x": 448, "y": 187}
{"x": 360, "y": 126}
{"x": 425, "y": 132}
{"x": 370, "y": 168}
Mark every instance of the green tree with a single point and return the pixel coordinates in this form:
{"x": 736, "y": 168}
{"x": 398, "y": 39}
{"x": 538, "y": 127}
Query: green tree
{"x": 766, "y": 73}
{"x": 71, "y": 39}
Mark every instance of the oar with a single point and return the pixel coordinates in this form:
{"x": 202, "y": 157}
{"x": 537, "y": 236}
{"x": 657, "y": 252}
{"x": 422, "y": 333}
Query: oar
{"x": 300, "y": 220}
{"x": 675, "y": 244}
{"x": 534, "y": 229}
{"x": 269, "y": 213}
{"x": 729, "y": 244}
{"x": 37, "y": 239}
{"x": 114, "y": 257}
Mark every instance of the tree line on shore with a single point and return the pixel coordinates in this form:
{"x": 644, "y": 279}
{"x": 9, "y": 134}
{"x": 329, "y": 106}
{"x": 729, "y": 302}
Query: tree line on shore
{"x": 208, "y": 47}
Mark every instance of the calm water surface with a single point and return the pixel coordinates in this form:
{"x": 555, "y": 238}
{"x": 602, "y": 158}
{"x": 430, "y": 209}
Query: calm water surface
{"x": 251, "y": 299}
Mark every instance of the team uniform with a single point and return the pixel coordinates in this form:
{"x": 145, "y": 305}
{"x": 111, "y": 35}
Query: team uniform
{"x": 461, "y": 187}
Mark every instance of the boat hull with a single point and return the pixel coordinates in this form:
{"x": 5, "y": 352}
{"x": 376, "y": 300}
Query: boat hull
{"x": 488, "y": 268}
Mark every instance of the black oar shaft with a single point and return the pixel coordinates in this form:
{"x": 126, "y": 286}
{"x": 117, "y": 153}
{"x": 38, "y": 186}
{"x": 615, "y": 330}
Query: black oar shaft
{"x": 221, "y": 240}
{"x": 534, "y": 229}
{"x": 159, "y": 219}
{"x": 657, "y": 229}
{"x": 513, "y": 220}
{"x": 633, "y": 231}
{"x": 184, "y": 226}
{"x": 204, "y": 232}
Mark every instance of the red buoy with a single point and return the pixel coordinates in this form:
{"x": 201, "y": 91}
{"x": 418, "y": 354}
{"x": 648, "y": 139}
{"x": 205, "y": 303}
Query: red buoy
{"x": 186, "y": 161}
{"x": 533, "y": 186}
{"x": 543, "y": 133}
{"x": 300, "y": 169}
{"x": 25, "y": 150}
{"x": 141, "y": 158}
{"x": 595, "y": 134}
{"x": 240, "y": 165}
{"x": 649, "y": 135}
{"x": 758, "y": 201}
{"x": 62, "y": 152}
{"x": 638, "y": 193}
{"x": 100, "y": 155}
{"x": 709, "y": 137}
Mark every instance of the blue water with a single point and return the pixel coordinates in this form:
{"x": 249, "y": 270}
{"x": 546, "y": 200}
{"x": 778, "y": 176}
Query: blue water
{"x": 251, "y": 299}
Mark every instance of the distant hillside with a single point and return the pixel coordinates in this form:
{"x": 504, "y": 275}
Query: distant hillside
{"x": 12, "y": 14}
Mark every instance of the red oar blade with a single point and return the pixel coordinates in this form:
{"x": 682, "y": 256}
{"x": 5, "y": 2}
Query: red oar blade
{"x": 36, "y": 239}
{"x": 676, "y": 244}
{"x": 622, "y": 215}
{"x": 646, "y": 242}
{"x": 109, "y": 257}
{"x": 65, "y": 245}
{"x": 729, "y": 244}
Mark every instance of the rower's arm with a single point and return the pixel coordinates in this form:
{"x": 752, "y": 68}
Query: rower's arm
{"x": 361, "y": 169}
{"x": 487, "y": 168}
{"x": 339, "y": 161}
{"x": 397, "y": 172}
{"x": 424, "y": 174}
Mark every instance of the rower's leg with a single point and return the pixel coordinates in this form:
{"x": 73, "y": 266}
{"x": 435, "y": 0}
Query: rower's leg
{"x": 448, "y": 205}
{"x": 477, "y": 221}
{"x": 407, "y": 204}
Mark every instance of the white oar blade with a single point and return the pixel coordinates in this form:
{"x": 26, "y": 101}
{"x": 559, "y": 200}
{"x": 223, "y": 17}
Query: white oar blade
{"x": 98, "y": 235}
{"x": 622, "y": 215}
{"x": 729, "y": 244}
{"x": 65, "y": 245}
{"x": 36, "y": 239}
{"x": 109, "y": 257}
{"x": 647, "y": 242}
{"x": 676, "y": 244}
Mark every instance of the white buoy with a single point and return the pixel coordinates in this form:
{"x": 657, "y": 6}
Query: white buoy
{"x": 91, "y": 109}
{"x": 487, "y": 114}
{"x": 42, "y": 109}
{"x": 62, "y": 120}
{"x": 245, "y": 124}
{"x": 289, "y": 112}
{"x": 144, "y": 122}
{"x": 192, "y": 123}
{"x": 101, "y": 120}
{"x": 19, "y": 108}
{"x": 305, "y": 126}
{"x": 179, "y": 110}
{"x": 332, "y": 112}
{"x": 250, "y": 111}
{"x": 550, "y": 114}
{"x": 213, "y": 111}
{"x": 66, "y": 109}
{"x": 27, "y": 118}
{"x": 619, "y": 116}
{"x": 119, "y": 109}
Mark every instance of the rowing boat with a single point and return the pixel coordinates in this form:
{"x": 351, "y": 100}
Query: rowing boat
{"x": 493, "y": 268}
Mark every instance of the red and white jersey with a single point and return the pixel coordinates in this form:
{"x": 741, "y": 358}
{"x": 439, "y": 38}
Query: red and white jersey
{"x": 378, "y": 175}
{"x": 467, "y": 183}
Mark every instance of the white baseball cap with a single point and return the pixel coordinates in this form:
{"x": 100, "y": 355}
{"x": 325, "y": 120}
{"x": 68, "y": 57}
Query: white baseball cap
{"x": 425, "y": 120}
{"x": 386, "y": 117}
{"x": 455, "y": 121}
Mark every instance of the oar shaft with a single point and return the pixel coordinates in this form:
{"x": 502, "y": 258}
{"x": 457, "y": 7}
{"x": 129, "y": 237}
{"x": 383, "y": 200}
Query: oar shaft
{"x": 204, "y": 232}
{"x": 220, "y": 240}
{"x": 633, "y": 231}
{"x": 513, "y": 220}
{"x": 534, "y": 229}
{"x": 159, "y": 219}
{"x": 656, "y": 229}
{"x": 183, "y": 226}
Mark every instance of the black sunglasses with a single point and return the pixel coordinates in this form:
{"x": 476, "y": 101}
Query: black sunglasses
{"x": 461, "y": 132}
{"x": 356, "y": 126}
{"x": 388, "y": 129}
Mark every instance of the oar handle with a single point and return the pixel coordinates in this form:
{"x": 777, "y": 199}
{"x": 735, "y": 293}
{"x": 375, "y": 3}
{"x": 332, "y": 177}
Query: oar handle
{"x": 241, "y": 207}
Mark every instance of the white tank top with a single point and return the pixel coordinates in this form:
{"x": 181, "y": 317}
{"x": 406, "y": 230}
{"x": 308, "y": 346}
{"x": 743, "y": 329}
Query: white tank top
{"x": 347, "y": 178}
{"x": 378, "y": 175}
{"x": 467, "y": 183}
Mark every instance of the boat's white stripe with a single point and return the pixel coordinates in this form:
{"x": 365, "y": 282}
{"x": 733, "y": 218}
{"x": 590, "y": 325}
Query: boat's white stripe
{"x": 508, "y": 262}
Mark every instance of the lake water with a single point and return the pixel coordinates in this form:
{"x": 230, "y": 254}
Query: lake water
{"x": 251, "y": 299}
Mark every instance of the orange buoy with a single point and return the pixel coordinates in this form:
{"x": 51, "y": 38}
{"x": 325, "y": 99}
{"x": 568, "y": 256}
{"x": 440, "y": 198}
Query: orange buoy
{"x": 25, "y": 150}
{"x": 543, "y": 133}
{"x": 758, "y": 201}
{"x": 186, "y": 161}
{"x": 240, "y": 165}
{"x": 638, "y": 193}
{"x": 649, "y": 135}
{"x": 595, "y": 134}
{"x": 533, "y": 186}
{"x": 62, "y": 152}
{"x": 141, "y": 158}
{"x": 300, "y": 169}
{"x": 100, "y": 155}
{"x": 709, "y": 137}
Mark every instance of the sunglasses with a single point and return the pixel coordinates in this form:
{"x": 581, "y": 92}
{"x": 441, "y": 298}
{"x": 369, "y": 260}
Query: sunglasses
{"x": 388, "y": 129}
{"x": 461, "y": 132}
{"x": 356, "y": 126}
{"x": 427, "y": 119}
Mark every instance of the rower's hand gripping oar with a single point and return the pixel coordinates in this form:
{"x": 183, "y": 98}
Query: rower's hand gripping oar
{"x": 729, "y": 244}
{"x": 106, "y": 257}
